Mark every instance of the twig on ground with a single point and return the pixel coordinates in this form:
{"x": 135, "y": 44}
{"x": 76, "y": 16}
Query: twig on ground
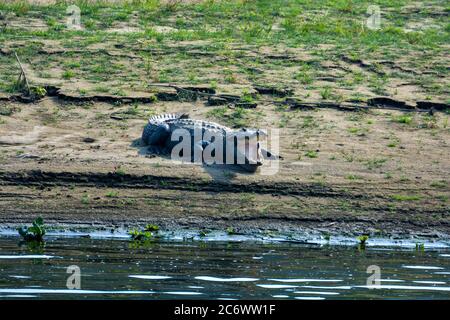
{"x": 22, "y": 77}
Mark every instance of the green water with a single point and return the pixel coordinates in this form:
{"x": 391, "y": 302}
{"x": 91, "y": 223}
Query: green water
{"x": 113, "y": 269}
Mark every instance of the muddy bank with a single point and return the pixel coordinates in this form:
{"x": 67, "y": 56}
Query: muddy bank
{"x": 250, "y": 233}
{"x": 376, "y": 172}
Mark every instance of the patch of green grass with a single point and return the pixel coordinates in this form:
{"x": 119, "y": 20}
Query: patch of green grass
{"x": 230, "y": 77}
{"x": 101, "y": 89}
{"x": 311, "y": 154}
{"x": 119, "y": 170}
{"x": 401, "y": 197}
{"x": 375, "y": 163}
{"x": 236, "y": 118}
{"x": 358, "y": 131}
{"x": 309, "y": 122}
{"x": 68, "y": 74}
{"x": 247, "y": 97}
{"x": 85, "y": 199}
{"x": 392, "y": 144}
{"x": 304, "y": 77}
{"x": 19, "y": 7}
{"x": 352, "y": 177}
{"x": 72, "y": 64}
{"x": 6, "y": 110}
{"x": 439, "y": 184}
{"x": 112, "y": 194}
{"x": 405, "y": 119}
{"x": 326, "y": 93}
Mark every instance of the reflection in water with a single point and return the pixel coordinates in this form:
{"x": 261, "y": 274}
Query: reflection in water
{"x": 218, "y": 270}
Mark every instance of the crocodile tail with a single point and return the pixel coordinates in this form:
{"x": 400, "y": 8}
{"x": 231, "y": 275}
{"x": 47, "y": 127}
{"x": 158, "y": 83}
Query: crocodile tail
{"x": 167, "y": 116}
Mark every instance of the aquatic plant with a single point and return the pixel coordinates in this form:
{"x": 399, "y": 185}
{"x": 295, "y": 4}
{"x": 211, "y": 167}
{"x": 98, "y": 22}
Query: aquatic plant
{"x": 138, "y": 235}
{"x": 420, "y": 247}
{"x": 34, "y": 233}
{"x": 230, "y": 230}
{"x": 151, "y": 228}
{"x": 363, "y": 239}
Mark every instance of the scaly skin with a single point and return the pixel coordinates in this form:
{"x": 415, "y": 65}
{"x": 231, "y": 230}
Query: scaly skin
{"x": 158, "y": 132}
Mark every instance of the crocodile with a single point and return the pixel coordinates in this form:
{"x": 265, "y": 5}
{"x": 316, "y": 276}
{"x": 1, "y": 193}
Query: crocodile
{"x": 164, "y": 133}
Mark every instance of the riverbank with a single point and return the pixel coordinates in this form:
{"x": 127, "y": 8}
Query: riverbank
{"x": 364, "y": 134}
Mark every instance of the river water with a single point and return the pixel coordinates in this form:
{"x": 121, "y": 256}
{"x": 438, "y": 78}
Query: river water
{"x": 119, "y": 268}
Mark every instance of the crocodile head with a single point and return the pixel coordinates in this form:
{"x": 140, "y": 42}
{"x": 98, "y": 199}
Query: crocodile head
{"x": 248, "y": 148}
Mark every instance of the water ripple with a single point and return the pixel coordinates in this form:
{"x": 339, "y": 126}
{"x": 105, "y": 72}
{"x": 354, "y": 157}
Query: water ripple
{"x": 430, "y": 282}
{"x": 305, "y": 280}
{"x": 30, "y": 256}
{"x": 276, "y": 286}
{"x": 184, "y": 293}
{"x": 148, "y": 277}
{"x": 206, "y": 278}
{"x": 323, "y": 287}
{"x": 317, "y": 292}
{"x": 309, "y": 298}
{"x": 20, "y": 277}
{"x": 423, "y": 267}
{"x": 71, "y": 291}
{"x": 394, "y": 287}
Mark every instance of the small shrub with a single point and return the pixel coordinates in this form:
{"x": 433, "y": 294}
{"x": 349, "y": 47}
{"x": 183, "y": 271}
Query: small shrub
{"x": 39, "y": 92}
